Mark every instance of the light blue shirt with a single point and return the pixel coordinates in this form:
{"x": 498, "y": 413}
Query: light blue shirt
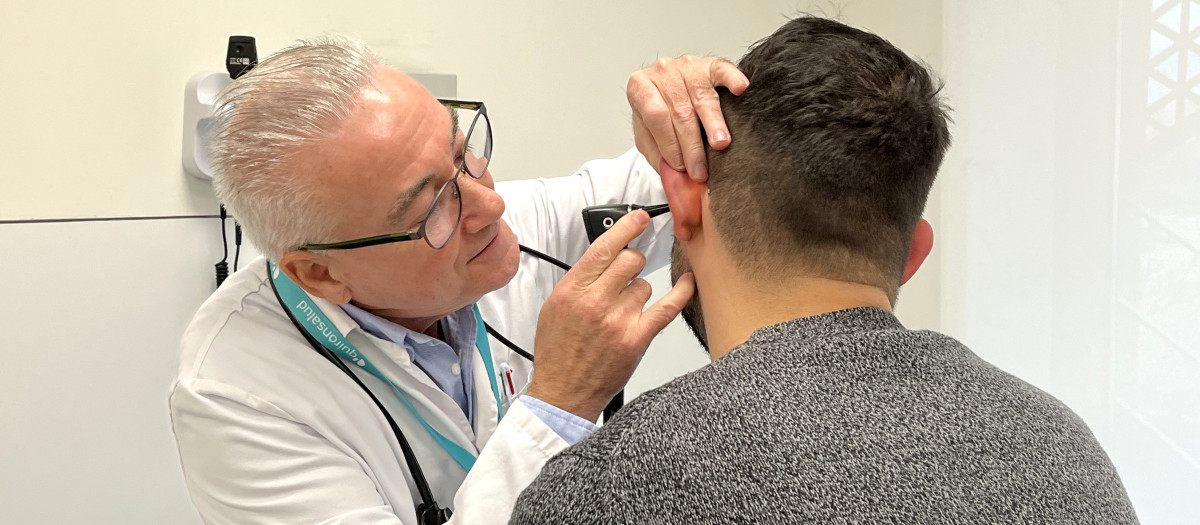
{"x": 568, "y": 426}
{"x": 449, "y": 365}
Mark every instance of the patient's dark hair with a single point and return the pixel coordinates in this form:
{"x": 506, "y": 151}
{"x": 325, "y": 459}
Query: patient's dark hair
{"x": 835, "y": 147}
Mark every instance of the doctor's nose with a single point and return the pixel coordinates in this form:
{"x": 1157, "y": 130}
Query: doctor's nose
{"x": 482, "y": 206}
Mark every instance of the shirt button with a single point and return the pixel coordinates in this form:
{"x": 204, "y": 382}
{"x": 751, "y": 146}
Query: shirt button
{"x": 455, "y": 369}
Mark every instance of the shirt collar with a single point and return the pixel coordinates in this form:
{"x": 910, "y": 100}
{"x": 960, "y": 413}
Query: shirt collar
{"x": 459, "y": 329}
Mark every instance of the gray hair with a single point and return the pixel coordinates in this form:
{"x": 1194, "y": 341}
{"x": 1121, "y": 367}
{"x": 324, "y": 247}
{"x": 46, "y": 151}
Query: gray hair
{"x": 295, "y": 97}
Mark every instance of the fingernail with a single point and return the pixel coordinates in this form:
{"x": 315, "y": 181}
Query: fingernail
{"x": 641, "y": 217}
{"x": 677, "y": 162}
{"x": 720, "y": 136}
{"x": 701, "y": 173}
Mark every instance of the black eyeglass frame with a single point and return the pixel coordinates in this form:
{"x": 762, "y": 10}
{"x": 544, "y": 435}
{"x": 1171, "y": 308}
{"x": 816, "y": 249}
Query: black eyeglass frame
{"x": 388, "y": 238}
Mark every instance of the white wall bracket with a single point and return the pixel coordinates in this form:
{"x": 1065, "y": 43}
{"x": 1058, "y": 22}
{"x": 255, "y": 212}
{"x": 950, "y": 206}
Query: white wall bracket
{"x": 199, "y": 95}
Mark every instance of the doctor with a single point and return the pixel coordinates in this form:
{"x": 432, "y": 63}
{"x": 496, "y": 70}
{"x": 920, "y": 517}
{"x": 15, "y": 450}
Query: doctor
{"x": 391, "y": 246}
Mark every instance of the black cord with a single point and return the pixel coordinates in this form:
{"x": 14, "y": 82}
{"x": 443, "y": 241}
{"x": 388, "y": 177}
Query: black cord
{"x": 237, "y": 243}
{"x": 653, "y": 210}
{"x": 410, "y": 457}
{"x": 224, "y": 235}
{"x": 521, "y": 352}
{"x": 222, "y": 267}
{"x": 545, "y": 257}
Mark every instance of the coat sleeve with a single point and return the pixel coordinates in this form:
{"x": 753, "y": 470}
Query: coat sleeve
{"x": 546, "y": 213}
{"x": 511, "y": 459}
{"x": 246, "y": 461}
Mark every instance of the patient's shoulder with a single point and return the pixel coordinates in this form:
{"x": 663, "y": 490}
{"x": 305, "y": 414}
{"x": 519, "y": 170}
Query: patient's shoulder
{"x": 670, "y": 418}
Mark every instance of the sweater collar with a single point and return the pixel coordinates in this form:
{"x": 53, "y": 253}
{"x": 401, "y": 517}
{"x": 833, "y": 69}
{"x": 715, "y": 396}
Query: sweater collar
{"x": 851, "y": 320}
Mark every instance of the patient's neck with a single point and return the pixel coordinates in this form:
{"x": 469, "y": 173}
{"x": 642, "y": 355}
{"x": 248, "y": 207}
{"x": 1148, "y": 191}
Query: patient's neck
{"x": 734, "y": 307}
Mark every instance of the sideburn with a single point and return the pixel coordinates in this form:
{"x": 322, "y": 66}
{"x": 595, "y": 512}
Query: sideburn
{"x": 692, "y": 313}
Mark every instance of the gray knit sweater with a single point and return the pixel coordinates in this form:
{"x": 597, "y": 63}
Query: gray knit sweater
{"x": 845, "y": 417}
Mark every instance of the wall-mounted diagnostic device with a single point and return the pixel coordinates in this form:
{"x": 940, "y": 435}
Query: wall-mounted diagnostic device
{"x": 200, "y": 94}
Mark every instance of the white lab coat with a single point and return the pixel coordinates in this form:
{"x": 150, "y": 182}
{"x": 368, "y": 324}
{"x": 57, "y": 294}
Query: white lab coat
{"x": 269, "y": 432}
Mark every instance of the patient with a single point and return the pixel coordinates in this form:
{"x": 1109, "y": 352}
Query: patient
{"x": 819, "y": 406}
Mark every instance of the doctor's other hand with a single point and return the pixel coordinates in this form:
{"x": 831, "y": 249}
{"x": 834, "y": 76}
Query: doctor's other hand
{"x": 671, "y": 99}
{"x": 595, "y": 327}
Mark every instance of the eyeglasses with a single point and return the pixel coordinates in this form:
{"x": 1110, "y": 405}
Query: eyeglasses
{"x": 441, "y": 221}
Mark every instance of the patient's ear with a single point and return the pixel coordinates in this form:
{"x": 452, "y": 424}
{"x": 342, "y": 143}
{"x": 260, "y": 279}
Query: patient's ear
{"x": 922, "y": 244}
{"x": 685, "y": 196}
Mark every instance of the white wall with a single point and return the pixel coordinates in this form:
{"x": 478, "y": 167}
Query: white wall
{"x": 98, "y": 102}
{"x": 92, "y": 101}
{"x": 1073, "y": 224}
{"x": 92, "y": 322}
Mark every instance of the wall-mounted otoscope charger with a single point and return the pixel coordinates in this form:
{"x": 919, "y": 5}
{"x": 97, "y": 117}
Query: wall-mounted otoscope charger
{"x": 198, "y": 99}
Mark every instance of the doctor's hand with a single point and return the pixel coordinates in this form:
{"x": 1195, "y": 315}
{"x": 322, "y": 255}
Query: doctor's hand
{"x": 592, "y": 330}
{"x": 672, "y": 99}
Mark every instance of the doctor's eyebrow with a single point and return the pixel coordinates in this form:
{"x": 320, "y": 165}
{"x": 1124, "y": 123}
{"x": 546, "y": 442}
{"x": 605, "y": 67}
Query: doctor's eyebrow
{"x": 453, "y": 128}
{"x": 404, "y": 201}
{"x": 406, "y": 198}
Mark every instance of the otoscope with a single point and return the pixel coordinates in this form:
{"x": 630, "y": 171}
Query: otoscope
{"x": 597, "y": 220}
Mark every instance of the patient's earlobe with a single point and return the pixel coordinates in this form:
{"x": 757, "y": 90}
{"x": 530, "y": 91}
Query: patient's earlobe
{"x": 685, "y": 197}
{"x": 922, "y": 244}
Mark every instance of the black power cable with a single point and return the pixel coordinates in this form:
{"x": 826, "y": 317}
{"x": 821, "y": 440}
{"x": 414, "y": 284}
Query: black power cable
{"x": 240, "y": 57}
{"x": 545, "y": 257}
{"x": 520, "y": 351}
{"x": 237, "y": 243}
{"x": 222, "y": 267}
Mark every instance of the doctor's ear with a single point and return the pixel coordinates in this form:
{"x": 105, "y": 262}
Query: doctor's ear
{"x": 686, "y": 197}
{"x": 312, "y": 274}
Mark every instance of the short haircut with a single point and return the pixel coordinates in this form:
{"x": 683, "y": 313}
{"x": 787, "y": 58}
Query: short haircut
{"x": 835, "y": 147}
{"x": 295, "y": 97}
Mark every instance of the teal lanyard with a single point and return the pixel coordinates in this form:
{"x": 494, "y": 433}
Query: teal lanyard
{"x": 313, "y": 320}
